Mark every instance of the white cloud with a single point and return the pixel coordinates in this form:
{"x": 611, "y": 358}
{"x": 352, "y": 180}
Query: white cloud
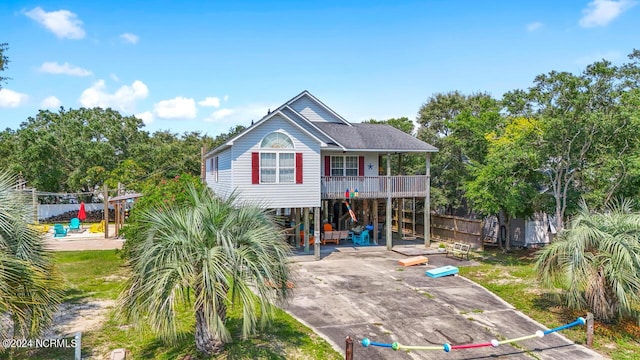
{"x": 130, "y": 38}
{"x": 51, "y": 102}
{"x": 124, "y": 99}
{"x": 240, "y": 115}
{"x": 114, "y": 77}
{"x": 176, "y": 108}
{"x": 64, "y": 69}
{"x": 63, "y": 23}
{"x": 612, "y": 56}
{"x": 146, "y": 117}
{"x": 602, "y": 12}
{"x": 534, "y": 26}
{"x": 219, "y": 114}
{"x": 226, "y": 98}
{"x": 210, "y": 102}
{"x": 12, "y": 99}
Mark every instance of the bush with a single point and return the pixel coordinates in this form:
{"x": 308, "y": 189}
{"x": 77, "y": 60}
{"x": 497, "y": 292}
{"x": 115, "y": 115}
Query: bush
{"x": 157, "y": 193}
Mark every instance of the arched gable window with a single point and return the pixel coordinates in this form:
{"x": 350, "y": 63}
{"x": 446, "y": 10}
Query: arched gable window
{"x": 276, "y": 162}
{"x": 277, "y": 140}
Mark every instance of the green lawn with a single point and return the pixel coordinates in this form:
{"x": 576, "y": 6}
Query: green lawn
{"x": 100, "y": 275}
{"x": 513, "y": 278}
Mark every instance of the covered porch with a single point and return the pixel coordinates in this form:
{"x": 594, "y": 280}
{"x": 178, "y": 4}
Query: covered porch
{"x": 381, "y": 203}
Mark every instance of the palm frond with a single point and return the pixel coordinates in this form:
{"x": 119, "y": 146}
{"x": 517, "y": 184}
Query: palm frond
{"x": 224, "y": 251}
{"x": 597, "y": 261}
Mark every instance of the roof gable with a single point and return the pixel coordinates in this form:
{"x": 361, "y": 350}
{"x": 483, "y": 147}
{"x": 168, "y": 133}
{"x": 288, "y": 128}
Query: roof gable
{"x": 277, "y": 112}
{"x": 314, "y": 110}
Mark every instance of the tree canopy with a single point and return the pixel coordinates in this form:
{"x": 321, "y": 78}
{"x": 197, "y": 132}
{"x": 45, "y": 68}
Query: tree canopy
{"x": 586, "y": 143}
{"x": 456, "y": 124}
{"x": 79, "y": 150}
{"x": 4, "y": 60}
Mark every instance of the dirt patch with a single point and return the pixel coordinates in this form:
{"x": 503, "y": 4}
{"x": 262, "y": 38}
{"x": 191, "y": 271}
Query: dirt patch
{"x": 112, "y": 278}
{"x": 79, "y": 317}
{"x": 512, "y": 280}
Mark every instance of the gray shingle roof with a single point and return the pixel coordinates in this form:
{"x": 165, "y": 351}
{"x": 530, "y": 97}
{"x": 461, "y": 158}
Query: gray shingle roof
{"x": 373, "y": 137}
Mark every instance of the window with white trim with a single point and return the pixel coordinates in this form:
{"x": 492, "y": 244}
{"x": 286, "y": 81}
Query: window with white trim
{"x": 277, "y": 166}
{"x": 344, "y": 165}
{"x": 277, "y": 140}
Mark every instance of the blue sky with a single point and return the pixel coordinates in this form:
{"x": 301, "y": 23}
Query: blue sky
{"x": 209, "y": 65}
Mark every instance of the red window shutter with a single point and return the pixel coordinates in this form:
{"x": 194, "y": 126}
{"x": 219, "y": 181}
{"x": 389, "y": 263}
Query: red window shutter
{"x": 298, "y": 168}
{"x": 255, "y": 168}
{"x": 361, "y": 166}
{"x": 327, "y": 166}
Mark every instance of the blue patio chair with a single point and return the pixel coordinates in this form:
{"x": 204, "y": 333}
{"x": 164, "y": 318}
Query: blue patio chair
{"x": 74, "y": 224}
{"x": 59, "y": 230}
{"x": 361, "y": 239}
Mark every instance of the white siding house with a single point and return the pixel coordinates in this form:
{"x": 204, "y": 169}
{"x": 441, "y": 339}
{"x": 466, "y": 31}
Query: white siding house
{"x": 304, "y": 155}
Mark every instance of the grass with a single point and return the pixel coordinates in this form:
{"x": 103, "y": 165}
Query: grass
{"x": 512, "y": 277}
{"x": 100, "y": 275}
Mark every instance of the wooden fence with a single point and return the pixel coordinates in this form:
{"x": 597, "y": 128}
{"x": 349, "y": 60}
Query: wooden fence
{"x": 456, "y": 229}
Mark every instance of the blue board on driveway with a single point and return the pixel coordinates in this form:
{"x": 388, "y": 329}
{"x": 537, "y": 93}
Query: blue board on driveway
{"x": 442, "y": 271}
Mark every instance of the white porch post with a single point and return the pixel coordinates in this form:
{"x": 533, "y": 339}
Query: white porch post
{"x": 375, "y": 221}
{"x": 316, "y": 233}
{"x": 427, "y": 205}
{"x": 306, "y": 229}
{"x": 388, "y": 217}
{"x": 297, "y": 228}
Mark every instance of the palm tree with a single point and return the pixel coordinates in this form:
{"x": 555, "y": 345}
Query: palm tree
{"x": 210, "y": 255}
{"x": 29, "y": 290}
{"x": 597, "y": 262}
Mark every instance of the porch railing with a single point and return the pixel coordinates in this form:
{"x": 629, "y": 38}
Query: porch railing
{"x": 371, "y": 187}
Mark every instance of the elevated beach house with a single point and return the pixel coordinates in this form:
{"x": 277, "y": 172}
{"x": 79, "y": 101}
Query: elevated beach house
{"x": 304, "y": 158}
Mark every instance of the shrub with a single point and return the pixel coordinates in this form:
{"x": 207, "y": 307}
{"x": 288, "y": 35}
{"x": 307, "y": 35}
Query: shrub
{"x": 172, "y": 192}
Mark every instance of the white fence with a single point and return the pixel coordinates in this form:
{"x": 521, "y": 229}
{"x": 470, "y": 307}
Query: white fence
{"x": 47, "y": 211}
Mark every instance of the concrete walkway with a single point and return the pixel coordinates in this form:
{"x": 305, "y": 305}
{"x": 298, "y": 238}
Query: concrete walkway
{"x": 363, "y": 292}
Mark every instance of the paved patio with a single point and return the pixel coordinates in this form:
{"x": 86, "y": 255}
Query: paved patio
{"x": 362, "y": 292}
{"x": 83, "y": 241}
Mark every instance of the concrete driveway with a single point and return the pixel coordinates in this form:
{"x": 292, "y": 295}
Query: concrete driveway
{"x": 363, "y": 292}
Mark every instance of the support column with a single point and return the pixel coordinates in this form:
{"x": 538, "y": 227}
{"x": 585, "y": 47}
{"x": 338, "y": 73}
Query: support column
{"x": 105, "y": 198}
{"x": 339, "y": 215}
{"x": 427, "y": 205}
{"x": 296, "y": 229}
{"x": 306, "y": 229}
{"x": 117, "y": 208}
{"x": 388, "y": 233}
{"x": 316, "y": 233}
{"x": 325, "y": 211}
{"x": 34, "y": 204}
{"x": 401, "y": 219}
{"x": 375, "y": 221}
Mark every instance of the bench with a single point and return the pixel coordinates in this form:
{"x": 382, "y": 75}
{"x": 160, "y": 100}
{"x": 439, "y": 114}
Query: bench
{"x": 334, "y": 236}
{"x": 458, "y": 250}
{"x": 331, "y": 236}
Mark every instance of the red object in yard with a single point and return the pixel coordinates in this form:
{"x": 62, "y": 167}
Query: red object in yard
{"x": 82, "y": 214}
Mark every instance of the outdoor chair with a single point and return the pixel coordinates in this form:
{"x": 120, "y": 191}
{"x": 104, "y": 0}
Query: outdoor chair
{"x": 59, "y": 230}
{"x": 74, "y": 224}
{"x": 361, "y": 239}
{"x": 311, "y": 239}
{"x": 97, "y": 228}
